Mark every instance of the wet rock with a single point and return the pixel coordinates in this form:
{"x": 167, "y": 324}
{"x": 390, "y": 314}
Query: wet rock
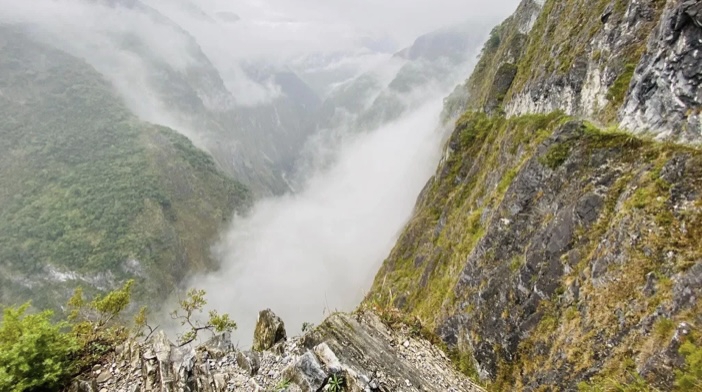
{"x": 270, "y": 330}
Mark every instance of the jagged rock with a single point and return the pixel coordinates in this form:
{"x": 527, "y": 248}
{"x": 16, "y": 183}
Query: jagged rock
{"x": 359, "y": 349}
{"x": 249, "y": 361}
{"x": 270, "y": 330}
{"x": 84, "y": 386}
{"x": 328, "y": 358}
{"x": 306, "y": 372}
{"x": 219, "y": 344}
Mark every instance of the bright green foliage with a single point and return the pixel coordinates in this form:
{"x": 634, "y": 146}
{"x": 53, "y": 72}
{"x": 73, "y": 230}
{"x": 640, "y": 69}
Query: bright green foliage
{"x": 336, "y": 383}
{"x": 96, "y": 323}
{"x": 35, "y": 354}
{"x": 690, "y": 379}
{"x": 190, "y": 307}
{"x": 282, "y": 385}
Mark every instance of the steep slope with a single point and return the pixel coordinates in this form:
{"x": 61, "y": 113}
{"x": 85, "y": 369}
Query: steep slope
{"x": 90, "y": 195}
{"x": 547, "y": 252}
{"x": 184, "y": 86}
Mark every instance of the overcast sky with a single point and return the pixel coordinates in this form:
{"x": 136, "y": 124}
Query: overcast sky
{"x": 323, "y": 24}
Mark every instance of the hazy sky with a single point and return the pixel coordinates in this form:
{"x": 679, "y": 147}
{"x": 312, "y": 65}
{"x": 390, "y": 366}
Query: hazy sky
{"x": 402, "y": 19}
{"x": 326, "y": 24}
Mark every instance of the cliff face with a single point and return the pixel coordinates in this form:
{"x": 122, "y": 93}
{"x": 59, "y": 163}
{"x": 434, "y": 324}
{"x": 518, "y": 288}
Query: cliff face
{"x": 546, "y": 252}
{"x": 635, "y": 63}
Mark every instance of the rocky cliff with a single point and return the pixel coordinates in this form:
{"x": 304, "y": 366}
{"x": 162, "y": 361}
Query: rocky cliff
{"x": 348, "y": 352}
{"x": 556, "y": 248}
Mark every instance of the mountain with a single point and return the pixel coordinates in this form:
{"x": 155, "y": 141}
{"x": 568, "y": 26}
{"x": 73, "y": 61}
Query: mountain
{"x": 251, "y": 117}
{"x": 434, "y": 62}
{"x": 557, "y": 245}
{"x": 91, "y": 195}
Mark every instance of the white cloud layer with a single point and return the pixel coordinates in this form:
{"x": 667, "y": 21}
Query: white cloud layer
{"x": 319, "y": 249}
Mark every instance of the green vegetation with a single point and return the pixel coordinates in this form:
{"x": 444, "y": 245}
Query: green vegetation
{"x": 690, "y": 378}
{"x": 39, "y": 354}
{"x": 618, "y": 90}
{"x": 35, "y": 354}
{"x": 193, "y": 304}
{"x": 91, "y": 192}
{"x": 282, "y": 385}
{"x": 556, "y": 155}
{"x": 427, "y": 272}
{"x": 336, "y": 383}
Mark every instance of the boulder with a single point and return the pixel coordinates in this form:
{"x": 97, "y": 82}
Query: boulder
{"x": 270, "y": 330}
{"x": 306, "y": 373}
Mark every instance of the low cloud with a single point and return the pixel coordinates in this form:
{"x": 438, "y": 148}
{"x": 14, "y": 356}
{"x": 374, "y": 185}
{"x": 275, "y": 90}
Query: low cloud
{"x": 317, "y": 251}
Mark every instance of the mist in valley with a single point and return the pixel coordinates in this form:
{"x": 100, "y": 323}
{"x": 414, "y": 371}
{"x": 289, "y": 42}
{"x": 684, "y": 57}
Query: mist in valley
{"x": 330, "y": 111}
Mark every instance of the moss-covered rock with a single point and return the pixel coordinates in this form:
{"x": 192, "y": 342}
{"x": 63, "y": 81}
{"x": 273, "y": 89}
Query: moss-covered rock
{"x": 547, "y": 249}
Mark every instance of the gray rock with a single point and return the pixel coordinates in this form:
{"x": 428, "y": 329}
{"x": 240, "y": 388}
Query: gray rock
{"x": 327, "y": 356}
{"x": 103, "y": 377}
{"x": 84, "y": 386}
{"x": 249, "y": 361}
{"x": 306, "y": 372}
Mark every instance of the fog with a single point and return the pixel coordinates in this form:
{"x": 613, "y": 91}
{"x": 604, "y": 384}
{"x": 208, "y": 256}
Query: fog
{"x": 316, "y": 251}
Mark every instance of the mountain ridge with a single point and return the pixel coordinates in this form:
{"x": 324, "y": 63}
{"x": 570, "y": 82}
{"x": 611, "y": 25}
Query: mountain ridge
{"x": 552, "y": 250}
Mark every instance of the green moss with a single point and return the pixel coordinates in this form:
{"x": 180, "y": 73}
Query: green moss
{"x": 663, "y": 328}
{"x": 506, "y": 180}
{"x": 619, "y": 88}
{"x": 556, "y": 155}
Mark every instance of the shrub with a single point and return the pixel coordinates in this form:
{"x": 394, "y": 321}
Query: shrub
{"x": 35, "y": 354}
{"x": 690, "y": 379}
{"x": 190, "y": 307}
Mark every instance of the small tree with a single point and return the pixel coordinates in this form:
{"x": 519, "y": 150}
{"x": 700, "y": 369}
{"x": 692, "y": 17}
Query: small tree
{"x": 141, "y": 323}
{"x": 95, "y": 323}
{"x": 192, "y": 305}
{"x": 35, "y": 354}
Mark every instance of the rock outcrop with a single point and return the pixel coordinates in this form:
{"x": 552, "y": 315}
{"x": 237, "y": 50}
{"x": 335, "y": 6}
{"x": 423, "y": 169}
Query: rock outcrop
{"x": 270, "y": 329}
{"x": 356, "y": 351}
{"x": 548, "y": 252}
{"x": 635, "y": 63}
{"x": 666, "y": 91}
